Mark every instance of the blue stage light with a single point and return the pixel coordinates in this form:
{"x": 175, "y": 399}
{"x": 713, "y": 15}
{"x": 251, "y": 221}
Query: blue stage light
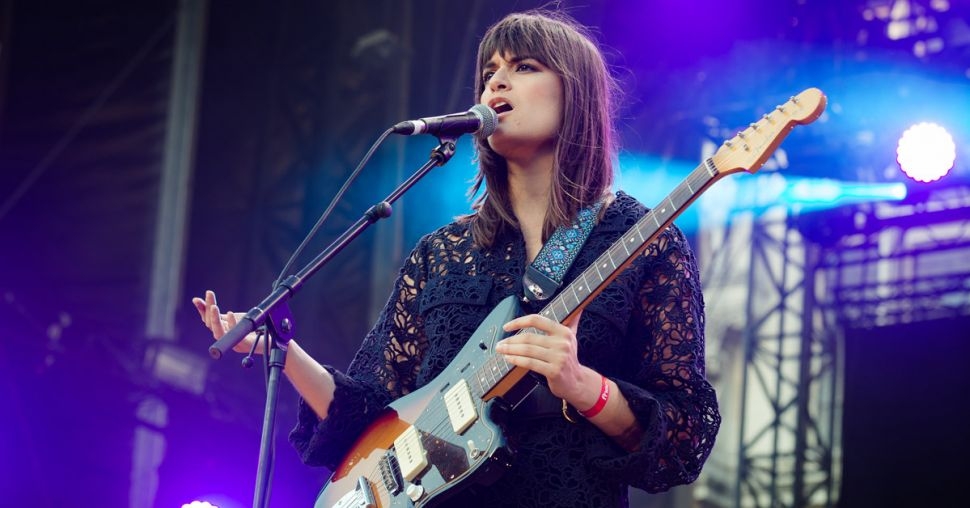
{"x": 815, "y": 193}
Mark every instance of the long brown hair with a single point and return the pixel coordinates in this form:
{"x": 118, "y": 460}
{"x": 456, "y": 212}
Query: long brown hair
{"x": 585, "y": 147}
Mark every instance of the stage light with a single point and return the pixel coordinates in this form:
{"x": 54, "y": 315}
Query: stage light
{"x": 199, "y": 504}
{"x": 812, "y": 193}
{"x": 177, "y": 367}
{"x": 925, "y": 152}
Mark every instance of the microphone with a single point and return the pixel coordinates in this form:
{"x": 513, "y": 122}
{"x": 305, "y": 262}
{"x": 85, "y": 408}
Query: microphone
{"x": 480, "y": 118}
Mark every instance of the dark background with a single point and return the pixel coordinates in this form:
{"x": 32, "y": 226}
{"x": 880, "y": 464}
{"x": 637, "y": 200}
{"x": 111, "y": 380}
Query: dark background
{"x": 292, "y": 94}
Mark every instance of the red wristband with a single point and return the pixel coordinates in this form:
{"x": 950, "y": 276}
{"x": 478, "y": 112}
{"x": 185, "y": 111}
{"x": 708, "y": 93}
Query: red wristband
{"x": 600, "y": 402}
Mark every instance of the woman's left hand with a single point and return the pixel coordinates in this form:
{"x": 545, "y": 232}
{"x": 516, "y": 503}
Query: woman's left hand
{"x": 553, "y": 352}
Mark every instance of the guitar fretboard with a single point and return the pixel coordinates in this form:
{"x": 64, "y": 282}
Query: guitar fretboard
{"x": 613, "y": 260}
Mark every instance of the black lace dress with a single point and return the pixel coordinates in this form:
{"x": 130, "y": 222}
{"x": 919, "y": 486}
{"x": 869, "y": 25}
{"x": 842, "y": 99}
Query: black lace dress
{"x": 645, "y": 332}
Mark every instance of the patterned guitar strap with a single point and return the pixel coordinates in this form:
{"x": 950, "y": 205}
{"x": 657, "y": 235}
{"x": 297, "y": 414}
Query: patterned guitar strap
{"x": 544, "y": 276}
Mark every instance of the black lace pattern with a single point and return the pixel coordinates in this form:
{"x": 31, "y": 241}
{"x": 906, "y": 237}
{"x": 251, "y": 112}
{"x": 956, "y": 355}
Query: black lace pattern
{"x": 645, "y": 331}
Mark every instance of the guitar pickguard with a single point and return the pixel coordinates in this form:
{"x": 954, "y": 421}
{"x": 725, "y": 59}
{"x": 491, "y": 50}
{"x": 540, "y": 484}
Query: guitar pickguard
{"x": 477, "y": 453}
{"x": 448, "y": 430}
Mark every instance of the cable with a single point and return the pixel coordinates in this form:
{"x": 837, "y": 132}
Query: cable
{"x": 323, "y": 218}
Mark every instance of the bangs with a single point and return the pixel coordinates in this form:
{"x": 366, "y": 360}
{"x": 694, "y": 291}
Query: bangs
{"x": 524, "y": 36}
{"x": 584, "y": 145}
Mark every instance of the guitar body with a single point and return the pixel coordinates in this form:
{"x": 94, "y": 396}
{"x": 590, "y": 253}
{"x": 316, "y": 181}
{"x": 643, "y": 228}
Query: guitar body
{"x": 447, "y": 435}
{"x": 371, "y": 473}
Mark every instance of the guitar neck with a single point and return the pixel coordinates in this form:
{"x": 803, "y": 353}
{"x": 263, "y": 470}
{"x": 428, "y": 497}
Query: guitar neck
{"x": 617, "y": 257}
{"x": 747, "y": 151}
{"x": 439, "y": 437}
{"x": 577, "y": 295}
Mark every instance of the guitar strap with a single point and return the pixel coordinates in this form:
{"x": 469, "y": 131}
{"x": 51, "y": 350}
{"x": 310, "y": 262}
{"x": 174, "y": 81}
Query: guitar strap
{"x": 544, "y": 276}
{"x": 541, "y": 280}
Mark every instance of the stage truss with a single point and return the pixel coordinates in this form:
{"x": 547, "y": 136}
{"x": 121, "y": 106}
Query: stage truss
{"x": 781, "y": 287}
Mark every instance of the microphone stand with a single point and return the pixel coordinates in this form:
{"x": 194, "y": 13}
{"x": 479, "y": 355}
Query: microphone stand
{"x": 275, "y": 312}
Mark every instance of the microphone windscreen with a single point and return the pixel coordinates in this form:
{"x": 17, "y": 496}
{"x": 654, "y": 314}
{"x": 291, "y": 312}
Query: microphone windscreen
{"x": 489, "y": 119}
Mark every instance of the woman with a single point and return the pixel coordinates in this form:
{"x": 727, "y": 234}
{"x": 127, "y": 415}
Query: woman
{"x": 632, "y": 366}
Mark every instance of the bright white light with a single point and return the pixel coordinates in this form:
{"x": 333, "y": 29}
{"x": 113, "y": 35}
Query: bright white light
{"x": 199, "y": 504}
{"x": 925, "y": 152}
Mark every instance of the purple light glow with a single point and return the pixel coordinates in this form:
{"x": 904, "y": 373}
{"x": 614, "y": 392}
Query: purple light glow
{"x": 926, "y": 152}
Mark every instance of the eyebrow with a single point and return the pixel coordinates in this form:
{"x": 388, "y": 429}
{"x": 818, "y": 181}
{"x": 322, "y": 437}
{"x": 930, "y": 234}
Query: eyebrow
{"x": 491, "y": 65}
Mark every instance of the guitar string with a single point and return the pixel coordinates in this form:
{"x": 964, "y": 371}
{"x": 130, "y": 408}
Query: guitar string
{"x": 439, "y": 416}
{"x": 443, "y": 419}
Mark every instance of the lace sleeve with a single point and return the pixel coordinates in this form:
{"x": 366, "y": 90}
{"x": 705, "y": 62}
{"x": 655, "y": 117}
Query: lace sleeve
{"x": 674, "y": 404}
{"x": 384, "y": 369}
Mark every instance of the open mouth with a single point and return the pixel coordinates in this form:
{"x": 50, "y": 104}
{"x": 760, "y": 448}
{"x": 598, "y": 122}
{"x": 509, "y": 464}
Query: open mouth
{"x": 502, "y": 107}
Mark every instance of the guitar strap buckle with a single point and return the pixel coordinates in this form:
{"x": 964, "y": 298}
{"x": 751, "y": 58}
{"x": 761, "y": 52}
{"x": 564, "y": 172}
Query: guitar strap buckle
{"x": 544, "y": 276}
{"x": 537, "y": 286}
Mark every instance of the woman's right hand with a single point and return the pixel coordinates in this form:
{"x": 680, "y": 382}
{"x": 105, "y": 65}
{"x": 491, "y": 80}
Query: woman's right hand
{"x": 219, "y": 323}
{"x": 314, "y": 383}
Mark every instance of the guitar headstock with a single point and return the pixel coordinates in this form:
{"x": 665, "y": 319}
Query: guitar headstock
{"x": 750, "y": 148}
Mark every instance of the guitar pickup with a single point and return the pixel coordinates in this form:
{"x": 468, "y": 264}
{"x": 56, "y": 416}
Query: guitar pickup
{"x": 461, "y": 409}
{"x": 411, "y": 455}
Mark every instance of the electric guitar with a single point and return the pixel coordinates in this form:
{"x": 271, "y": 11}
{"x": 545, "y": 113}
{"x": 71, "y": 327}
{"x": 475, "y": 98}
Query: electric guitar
{"x": 447, "y": 435}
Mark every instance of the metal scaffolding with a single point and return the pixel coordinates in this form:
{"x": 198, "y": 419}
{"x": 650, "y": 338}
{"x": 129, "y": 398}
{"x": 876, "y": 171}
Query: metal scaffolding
{"x": 781, "y": 289}
{"x": 901, "y": 263}
{"x": 774, "y": 354}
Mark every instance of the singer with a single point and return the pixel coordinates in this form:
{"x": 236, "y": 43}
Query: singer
{"x": 622, "y": 398}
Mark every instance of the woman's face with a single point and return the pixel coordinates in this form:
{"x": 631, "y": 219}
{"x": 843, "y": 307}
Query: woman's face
{"x": 528, "y": 97}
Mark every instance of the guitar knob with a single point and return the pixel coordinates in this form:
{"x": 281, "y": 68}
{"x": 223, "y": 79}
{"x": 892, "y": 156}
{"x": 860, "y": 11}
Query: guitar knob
{"x": 414, "y": 492}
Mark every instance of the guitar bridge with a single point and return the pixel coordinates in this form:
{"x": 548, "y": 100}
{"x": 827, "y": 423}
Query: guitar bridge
{"x": 391, "y": 474}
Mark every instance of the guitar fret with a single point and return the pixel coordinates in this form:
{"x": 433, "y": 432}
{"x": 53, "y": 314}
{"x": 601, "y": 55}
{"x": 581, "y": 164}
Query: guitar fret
{"x": 496, "y": 369}
{"x": 480, "y": 378}
{"x": 489, "y": 378}
{"x": 681, "y": 199}
{"x": 684, "y": 196}
{"x": 506, "y": 366}
{"x": 806, "y": 108}
{"x": 562, "y": 308}
{"x": 480, "y": 382}
{"x": 616, "y": 253}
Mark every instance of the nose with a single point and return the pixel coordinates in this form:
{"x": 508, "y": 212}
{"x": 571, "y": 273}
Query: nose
{"x": 498, "y": 81}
